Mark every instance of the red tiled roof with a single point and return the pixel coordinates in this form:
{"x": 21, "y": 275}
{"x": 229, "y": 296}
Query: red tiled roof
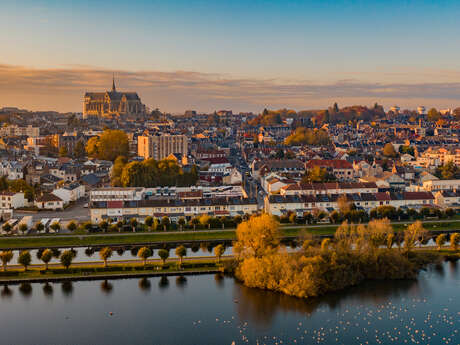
{"x": 418, "y": 195}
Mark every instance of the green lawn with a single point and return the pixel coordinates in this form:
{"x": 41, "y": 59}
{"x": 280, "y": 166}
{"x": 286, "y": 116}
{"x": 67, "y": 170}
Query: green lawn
{"x": 128, "y": 239}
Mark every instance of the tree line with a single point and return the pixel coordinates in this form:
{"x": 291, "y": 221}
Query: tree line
{"x": 152, "y": 173}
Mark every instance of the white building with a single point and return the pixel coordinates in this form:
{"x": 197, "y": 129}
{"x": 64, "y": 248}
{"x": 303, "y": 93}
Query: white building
{"x": 71, "y": 192}
{"x": 11, "y": 200}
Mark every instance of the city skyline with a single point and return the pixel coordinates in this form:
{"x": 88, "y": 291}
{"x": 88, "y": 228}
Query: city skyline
{"x": 207, "y": 56}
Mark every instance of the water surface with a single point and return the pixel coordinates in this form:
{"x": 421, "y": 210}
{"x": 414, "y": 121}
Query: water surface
{"x": 215, "y": 310}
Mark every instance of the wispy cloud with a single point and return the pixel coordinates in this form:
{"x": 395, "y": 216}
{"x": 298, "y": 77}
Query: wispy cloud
{"x": 63, "y": 88}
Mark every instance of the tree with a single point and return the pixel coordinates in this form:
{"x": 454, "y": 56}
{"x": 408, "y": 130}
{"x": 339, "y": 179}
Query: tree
{"x": 454, "y": 240}
{"x": 6, "y": 256}
{"x": 414, "y": 234}
{"x": 450, "y": 213}
{"x": 389, "y": 151}
{"x": 205, "y": 221}
{"x": 66, "y": 258}
{"x": 163, "y": 254}
{"x": 441, "y": 240}
{"x": 7, "y": 227}
{"x": 63, "y": 152}
{"x": 165, "y": 222}
{"x": 117, "y": 171}
{"x": 306, "y": 136}
{"x": 79, "y": 149}
{"x": 148, "y": 222}
{"x": 72, "y": 226}
{"x": 181, "y": 222}
{"x": 24, "y": 259}
{"x": 144, "y": 253}
{"x": 433, "y": 115}
{"x": 219, "y": 251}
{"x": 194, "y": 221}
{"x": 318, "y": 174}
{"x": 23, "y": 228}
{"x": 343, "y": 204}
{"x": 55, "y": 226}
{"x": 256, "y": 236}
{"x": 181, "y": 251}
{"x": 448, "y": 171}
{"x": 46, "y": 257}
{"x": 39, "y": 227}
{"x": 133, "y": 223}
{"x": 110, "y": 145}
{"x": 105, "y": 254}
{"x": 104, "y": 225}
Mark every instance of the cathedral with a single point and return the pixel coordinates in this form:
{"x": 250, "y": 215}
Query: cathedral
{"x": 113, "y": 104}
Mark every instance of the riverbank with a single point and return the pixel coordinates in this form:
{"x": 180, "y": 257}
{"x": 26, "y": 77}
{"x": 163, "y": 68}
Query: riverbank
{"x": 179, "y": 237}
{"x": 113, "y": 271}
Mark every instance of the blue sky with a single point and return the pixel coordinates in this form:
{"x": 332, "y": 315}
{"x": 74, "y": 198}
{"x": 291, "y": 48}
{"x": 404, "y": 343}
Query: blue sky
{"x": 317, "y": 43}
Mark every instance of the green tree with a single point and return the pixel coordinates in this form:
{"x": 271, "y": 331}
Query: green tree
{"x": 117, "y": 171}
{"x": 144, "y": 253}
{"x": 39, "y": 227}
{"x": 7, "y": 227}
{"x": 109, "y": 145}
{"x": 194, "y": 222}
{"x": 219, "y": 251}
{"x": 181, "y": 251}
{"x": 66, "y": 258}
{"x": 448, "y": 171}
{"x": 148, "y": 222}
{"x": 46, "y": 257}
{"x": 72, "y": 226}
{"x": 6, "y": 256}
{"x": 105, "y": 254}
{"x": 55, "y": 226}
{"x": 104, "y": 225}
{"x": 318, "y": 174}
{"x": 163, "y": 254}
{"x": 79, "y": 149}
{"x": 24, "y": 259}
{"x": 181, "y": 222}
{"x": 23, "y": 228}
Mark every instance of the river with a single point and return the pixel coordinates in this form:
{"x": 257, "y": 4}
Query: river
{"x": 210, "y": 309}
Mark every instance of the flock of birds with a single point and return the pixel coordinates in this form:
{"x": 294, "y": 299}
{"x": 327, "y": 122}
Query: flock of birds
{"x": 408, "y": 322}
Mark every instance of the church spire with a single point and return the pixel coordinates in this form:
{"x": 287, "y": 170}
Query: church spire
{"x": 114, "y": 89}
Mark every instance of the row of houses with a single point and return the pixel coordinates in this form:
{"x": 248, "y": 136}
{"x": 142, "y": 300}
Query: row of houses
{"x": 300, "y": 204}
{"x": 173, "y": 208}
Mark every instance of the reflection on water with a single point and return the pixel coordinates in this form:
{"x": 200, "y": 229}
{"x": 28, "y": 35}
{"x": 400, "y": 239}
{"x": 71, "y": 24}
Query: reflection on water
{"x": 6, "y": 292}
{"x": 144, "y": 284}
{"x": 67, "y": 288}
{"x": 215, "y": 309}
{"x": 261, "y": 306}
{"x": 25, "y": 289}
{"x": 163, "y": 282}
{"x": 48, "y": 289}
{"x": 106, "y": 287}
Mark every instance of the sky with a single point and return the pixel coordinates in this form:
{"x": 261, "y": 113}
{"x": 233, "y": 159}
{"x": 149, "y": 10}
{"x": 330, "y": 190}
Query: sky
{"x": 240, "y": 55}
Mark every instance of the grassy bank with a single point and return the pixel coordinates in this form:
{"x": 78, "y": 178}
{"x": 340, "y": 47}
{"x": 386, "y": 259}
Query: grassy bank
{"x": 145, "y": 238}
{"x": 113, "y": 270}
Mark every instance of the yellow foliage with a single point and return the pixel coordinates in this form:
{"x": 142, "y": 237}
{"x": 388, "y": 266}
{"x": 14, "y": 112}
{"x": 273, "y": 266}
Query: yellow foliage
{"x": 257, "y": 236}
